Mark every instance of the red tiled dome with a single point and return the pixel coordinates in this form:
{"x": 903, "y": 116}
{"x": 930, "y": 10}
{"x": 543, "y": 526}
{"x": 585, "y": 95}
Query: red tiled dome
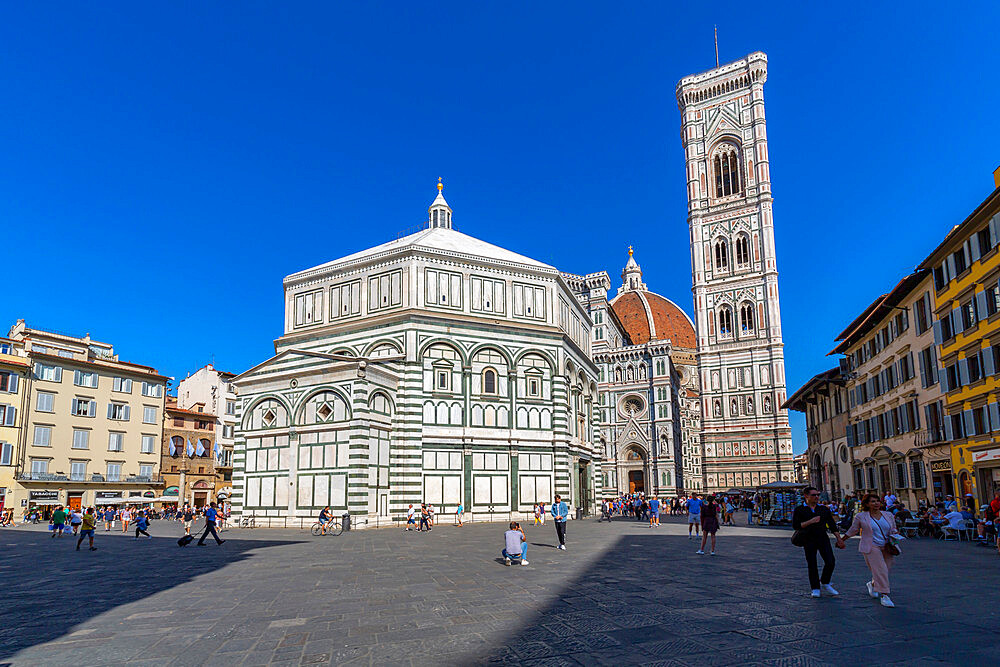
{"x": 647, "y": 316}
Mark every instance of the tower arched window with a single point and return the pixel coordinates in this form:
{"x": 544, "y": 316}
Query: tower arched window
{"x": 726, "y": 165}
{"x": 746, "y": 318}
{"x": 725, "y": 322}
{"x": 742, "y": 247}
{"x": 721, "y": 255}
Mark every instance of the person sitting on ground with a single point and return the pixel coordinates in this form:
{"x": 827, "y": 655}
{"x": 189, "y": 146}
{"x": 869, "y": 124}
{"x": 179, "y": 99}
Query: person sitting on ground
{"x": 515, "y": 545}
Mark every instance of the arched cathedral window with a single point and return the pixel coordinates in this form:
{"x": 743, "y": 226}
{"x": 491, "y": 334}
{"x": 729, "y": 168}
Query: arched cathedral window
{"x": 746, "y": 318}
{"x": 742, "y": 247}
{"x": 721, "y": 255}
{"x": 725, "y": 321}
{"x": 727, "y": 170}
{"x": 489, "y": 381}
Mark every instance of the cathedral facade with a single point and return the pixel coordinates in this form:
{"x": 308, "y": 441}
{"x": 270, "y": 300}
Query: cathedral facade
{"x": 440, "y": 368}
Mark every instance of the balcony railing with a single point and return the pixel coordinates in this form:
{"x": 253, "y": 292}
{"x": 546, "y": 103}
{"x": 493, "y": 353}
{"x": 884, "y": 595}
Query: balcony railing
{"x": 95, "y": 478}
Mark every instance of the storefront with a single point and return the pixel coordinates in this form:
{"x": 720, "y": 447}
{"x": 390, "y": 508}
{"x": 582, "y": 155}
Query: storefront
{"x": 941, "y": 480}
{"x": 986, "y": 467}
{"x": 108, "y": 498}
{"x": 44, "y": 501}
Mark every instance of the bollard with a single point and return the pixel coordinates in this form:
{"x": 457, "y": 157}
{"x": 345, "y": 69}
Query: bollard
{"x": 346, "y": 521}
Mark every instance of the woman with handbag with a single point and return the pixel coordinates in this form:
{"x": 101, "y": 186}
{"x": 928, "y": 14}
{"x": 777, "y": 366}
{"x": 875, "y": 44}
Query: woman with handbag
{"x": 877, "y": 530}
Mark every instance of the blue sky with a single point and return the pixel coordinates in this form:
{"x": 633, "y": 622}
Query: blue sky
{"x": 163, "y": 167}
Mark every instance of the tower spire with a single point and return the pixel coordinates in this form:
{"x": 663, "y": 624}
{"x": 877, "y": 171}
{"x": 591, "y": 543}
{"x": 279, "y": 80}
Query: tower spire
{"x": 439, "y": 213}
{"x": 632, "y": 276}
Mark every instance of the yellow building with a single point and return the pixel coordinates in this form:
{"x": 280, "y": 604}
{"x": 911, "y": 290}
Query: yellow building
{"x": 966, "y": 271}
{"x": 14, "y": 368}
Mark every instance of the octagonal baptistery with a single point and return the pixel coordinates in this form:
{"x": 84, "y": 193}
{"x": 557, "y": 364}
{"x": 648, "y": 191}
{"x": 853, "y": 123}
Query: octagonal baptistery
{"x": 436, "y": 368}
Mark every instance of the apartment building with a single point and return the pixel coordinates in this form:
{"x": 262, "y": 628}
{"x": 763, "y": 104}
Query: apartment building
{"x": 893, "y": 392}
{"x": 966, "y": 270}
{"x": 187, "y": 455}
{"x": 92, "y": 423}
{"x": 14, "y": 372}
{"x": 828, "y": 463}
{"x": 215, "y": 390}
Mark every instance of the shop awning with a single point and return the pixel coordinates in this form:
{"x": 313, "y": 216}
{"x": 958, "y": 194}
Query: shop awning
{"x": 39, "y": 503}
{"x": 108, "y": 501}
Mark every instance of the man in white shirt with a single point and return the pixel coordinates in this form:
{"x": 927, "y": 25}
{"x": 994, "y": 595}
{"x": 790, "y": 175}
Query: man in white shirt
{"x": 890, "y": 500}
{"x": 955, "y": 519}
{"x": 515, "y": 545}
{"x": 411, "y": 519}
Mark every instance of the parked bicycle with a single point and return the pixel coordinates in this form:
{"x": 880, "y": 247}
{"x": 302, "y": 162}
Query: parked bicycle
{"x": 333, "y": 527}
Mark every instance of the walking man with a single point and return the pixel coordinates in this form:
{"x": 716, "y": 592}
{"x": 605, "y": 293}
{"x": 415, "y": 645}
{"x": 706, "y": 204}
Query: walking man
{"x": 410, "y": 518}
{"x": 654, "y": 511}
{"x": 141, "y": 523}
{"x": 109, "y": 519}
{"x": 813, "y": 520}
{"x": 210, "y": 515}
{"x": 58, "y": 521}
{"x": 694, "y": 514}
{"x": 88, "y": 525}
{"x": 560, "y": 511}
{"x": 458, "y": 514}
{"x": 188, "y": 518}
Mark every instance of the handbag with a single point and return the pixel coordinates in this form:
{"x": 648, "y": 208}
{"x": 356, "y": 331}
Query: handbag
{"x": 890, "y": 548}
{"x": 799, "y": 538}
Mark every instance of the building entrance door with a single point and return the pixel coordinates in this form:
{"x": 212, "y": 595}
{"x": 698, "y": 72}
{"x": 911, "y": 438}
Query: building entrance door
{"x": 75, "y": 501}
{"x": 883, "y": 472}
{"x": 635, "y": 482}
{"x": 201, "y": 498}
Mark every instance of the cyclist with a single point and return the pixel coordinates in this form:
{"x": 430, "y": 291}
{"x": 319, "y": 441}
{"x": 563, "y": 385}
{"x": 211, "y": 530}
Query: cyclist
{"x": 325, "y": 518}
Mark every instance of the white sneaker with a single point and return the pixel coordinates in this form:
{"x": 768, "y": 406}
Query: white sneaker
{"x": 871, "y": 590}
{"x": 523, "y": 562}
{"x": 712, "y": 553}
{"x": 700, "y": 552}
{"x": 506, "y": 561}
{"x": 886, "y": 602}
{"x": 829, "y": 590}
{"x": 815, "y": 593}
{"x": 563, "y": 547}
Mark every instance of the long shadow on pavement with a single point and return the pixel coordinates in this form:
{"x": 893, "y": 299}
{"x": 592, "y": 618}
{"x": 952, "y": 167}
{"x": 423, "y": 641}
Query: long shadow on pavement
{"x": 49, "y": 587}
{"x": 651, "y": 600}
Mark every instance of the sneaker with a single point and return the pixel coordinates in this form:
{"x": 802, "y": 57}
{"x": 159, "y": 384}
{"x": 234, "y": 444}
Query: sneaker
{"x": 871, "y": 590}
{"x": 506, "y": 562}
{"x": 815, "y": 593}
{"x": 563, "y": 547}
{"x": 712, "y": 553}
{"x": 78, "y": 547}
{"x": 886, "y": 602}
{"x": 700, "y": 552}
{"x": 93, "y": 548}
{"x": 523, "y": 562}
{"x": 829, "y": 590}
{"x": 221, "y": 542}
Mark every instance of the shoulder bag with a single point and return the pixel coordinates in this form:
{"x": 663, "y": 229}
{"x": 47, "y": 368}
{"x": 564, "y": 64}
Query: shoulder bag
{"x": 799, "y": 538}
{"x": 889, "y": 548}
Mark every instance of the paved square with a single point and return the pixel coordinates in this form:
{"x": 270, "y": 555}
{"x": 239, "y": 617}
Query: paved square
{"x": 622, "y": 594}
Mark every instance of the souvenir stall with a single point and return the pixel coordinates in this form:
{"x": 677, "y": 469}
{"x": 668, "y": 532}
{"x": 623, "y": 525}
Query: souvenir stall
{"x": 776, "y": 502}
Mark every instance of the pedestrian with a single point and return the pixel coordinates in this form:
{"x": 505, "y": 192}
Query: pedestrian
{"x": 536, "y": 510}
{"x": 515, "y": 545}
{"x": 877, "y": 529}
{"x": 654, "y": 512}
{"x": 75, "y": 519}
{"x": 605, "y": 511}
{"x": 109, "y": 519}
{"x": 560, "y": 511}
{"x": 126, "y": 517}
{"x": 541, "y": 512}
{"x": 812, "y": 520}
{"x": 709, "y": 524}
{"x": 693, "y": 506}
{"x": 188, "y": 518}
{"x": 58, "y": 521}
{"x": 425, "y": 519}
{"x": 459, "y": 511}
{"x": 411, "y": 519}
{"x": 88, "y": 524}
{"x": 141, "y": 523}
{"x": 210, "y": 515}
{"x": 430, "y": 515}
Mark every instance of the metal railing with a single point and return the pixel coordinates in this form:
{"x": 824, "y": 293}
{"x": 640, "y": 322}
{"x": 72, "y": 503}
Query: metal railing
{"x": 359, "y": 522}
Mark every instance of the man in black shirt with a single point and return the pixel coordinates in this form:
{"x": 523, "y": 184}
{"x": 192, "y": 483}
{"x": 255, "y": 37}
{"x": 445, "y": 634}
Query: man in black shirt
{"x": 813, "y": 520}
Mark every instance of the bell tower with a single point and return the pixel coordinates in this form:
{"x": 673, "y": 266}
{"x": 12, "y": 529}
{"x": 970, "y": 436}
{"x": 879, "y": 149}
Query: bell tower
{"x": 746, "y": 436}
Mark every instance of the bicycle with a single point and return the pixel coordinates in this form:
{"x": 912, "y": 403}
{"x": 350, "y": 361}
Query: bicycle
{"x": 247, "y": 522}
{"x": 333, "y": 527}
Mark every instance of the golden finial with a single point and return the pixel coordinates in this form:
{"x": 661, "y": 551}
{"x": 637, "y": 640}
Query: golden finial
{"x": 440, "y": 184}
{"x": 630, "y": 251}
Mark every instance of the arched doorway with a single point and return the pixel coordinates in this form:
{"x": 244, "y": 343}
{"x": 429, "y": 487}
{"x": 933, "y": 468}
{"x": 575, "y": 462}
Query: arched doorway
{"x": 634, "y": 469}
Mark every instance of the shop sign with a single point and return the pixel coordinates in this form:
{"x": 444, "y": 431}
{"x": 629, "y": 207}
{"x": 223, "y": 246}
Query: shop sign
{"x": 938, "y": 466}
{"x": 988, "y": 455}
{"x": 43, "y": 495}
{"x": 148, "y": 494}
{"x": 135, "y": 494}
{"x": 108, "y": 495}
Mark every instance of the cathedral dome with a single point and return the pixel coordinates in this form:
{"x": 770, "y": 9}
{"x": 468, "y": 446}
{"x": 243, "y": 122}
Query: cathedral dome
{"x": 647, "y": 316}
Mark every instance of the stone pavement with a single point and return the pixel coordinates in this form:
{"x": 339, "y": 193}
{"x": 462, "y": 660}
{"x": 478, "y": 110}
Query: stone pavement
{"x": 622, "y": 594}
